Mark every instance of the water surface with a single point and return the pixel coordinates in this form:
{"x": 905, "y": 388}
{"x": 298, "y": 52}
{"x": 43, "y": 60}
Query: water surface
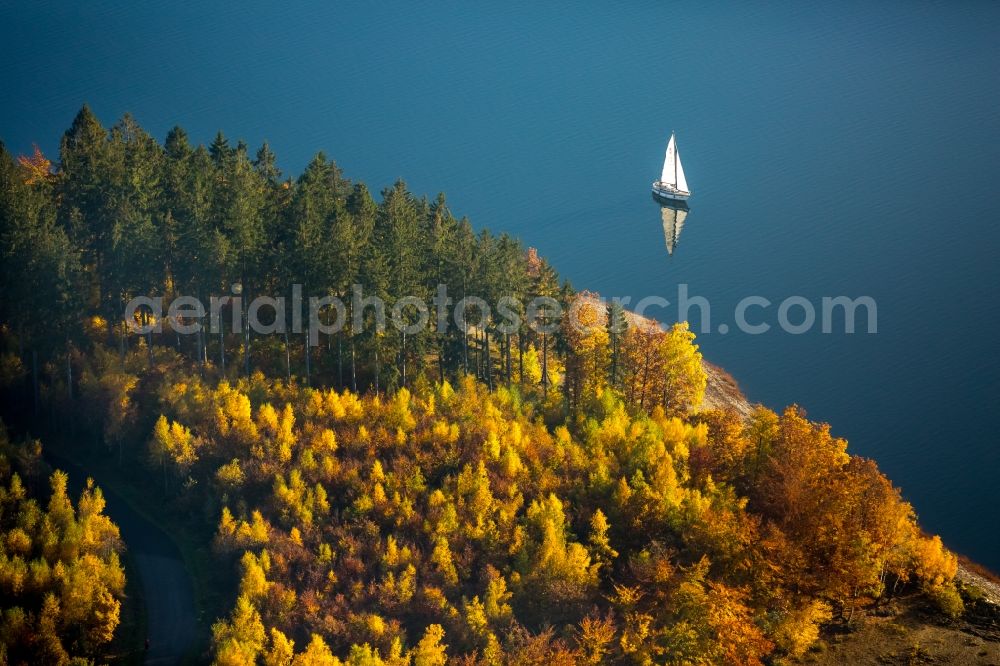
{"x": 848, "y": 148}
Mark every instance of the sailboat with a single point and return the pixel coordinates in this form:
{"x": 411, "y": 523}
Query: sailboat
{"x": 672, "y": 185}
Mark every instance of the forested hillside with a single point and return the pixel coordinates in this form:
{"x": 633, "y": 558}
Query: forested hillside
{"x": 60, "y": 576}
{"x": 486, "y": 495}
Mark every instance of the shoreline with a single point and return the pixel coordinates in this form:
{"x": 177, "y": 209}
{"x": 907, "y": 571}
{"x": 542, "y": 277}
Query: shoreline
{"x": 722, "y": 391}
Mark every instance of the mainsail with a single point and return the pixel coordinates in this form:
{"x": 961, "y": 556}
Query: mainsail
{"x": 673, "y": 171}
{"x": 669, "y": 174}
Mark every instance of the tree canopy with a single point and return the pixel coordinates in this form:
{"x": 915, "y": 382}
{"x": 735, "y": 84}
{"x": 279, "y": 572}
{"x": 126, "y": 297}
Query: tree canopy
{"x": 487, "y": 494}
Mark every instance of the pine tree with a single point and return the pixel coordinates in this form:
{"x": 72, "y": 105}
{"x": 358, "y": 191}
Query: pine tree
{"x": 86, "y": 203}
{"x": 617, "y": 326}
{"x": 314, "y": 209}
{"x": 364, "y": 264}
{"x": 398, "y": 228}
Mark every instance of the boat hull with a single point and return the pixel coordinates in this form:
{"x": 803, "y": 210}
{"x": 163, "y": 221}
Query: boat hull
{"x": 670, "y": 195}
{"x": 676, "y": 204}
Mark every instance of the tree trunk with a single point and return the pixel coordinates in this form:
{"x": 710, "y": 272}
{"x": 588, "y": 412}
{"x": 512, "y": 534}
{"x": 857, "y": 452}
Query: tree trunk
{"x": 69, "y": 372}
{"x": 465, "y": 346}
{"x": 121, "y": 343}
{"x": 441, "y": 361}
{"x": 246, "y": 354}
{"x": 545, "y": 365}
{"x": 202, "y": 342}
{"x": 308, "y": 368}
{"x": 520, "y": 359}
{"x": 245, "y": 321}
{"x": 288, "y": 359}
{"x": 69, "y": 390}
{"x": 246, "y": 344}
{"x": 489, "y": 361}
{"x": 340, "y": 359}
{"x": 479, "y": 356}
{"x": 149, "y": 337}
{"x": 506, "y": 348}
{"x": 222, "y": 344}
{"x": 34, "y": 380}
{"x": 614, "y": 358}
{"x": 354, "y": 372}
{"x": 645, "y": 375}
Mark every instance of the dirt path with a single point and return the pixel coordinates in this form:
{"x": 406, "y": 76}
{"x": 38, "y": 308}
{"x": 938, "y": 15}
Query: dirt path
{"x": 167, "y": 587}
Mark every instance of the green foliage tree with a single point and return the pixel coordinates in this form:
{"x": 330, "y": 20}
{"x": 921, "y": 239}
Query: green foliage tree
{"x": 506, "y": 494}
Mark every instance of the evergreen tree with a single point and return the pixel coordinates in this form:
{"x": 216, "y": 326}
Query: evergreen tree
{"x": 363, "y": 262}
{"x": 617, "y": 326}
{"x": 314, "y": 209}
{"x": 86, "y": 202}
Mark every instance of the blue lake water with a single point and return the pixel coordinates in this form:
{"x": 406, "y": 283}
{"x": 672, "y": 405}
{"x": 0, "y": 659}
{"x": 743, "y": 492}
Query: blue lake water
{"x": 844, "y": 148}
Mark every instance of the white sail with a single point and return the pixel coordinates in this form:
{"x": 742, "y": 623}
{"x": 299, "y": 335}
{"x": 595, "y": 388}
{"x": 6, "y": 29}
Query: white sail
{"x": 672, "y": 184}
{"x": 669, "y": 174}
{"x": 682, "y": 183}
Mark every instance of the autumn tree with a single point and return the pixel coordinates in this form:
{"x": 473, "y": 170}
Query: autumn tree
{"x": 60, "y": 575}
{"x": 588, "y": 355}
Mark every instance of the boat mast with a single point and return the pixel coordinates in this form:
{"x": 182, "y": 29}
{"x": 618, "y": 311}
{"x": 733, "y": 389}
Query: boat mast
{"x": 675, "y": 158}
